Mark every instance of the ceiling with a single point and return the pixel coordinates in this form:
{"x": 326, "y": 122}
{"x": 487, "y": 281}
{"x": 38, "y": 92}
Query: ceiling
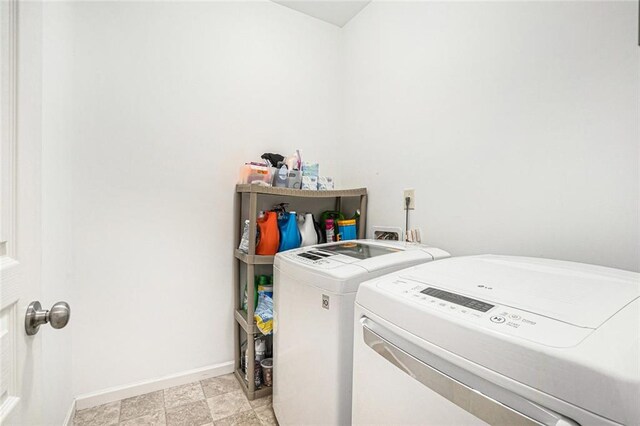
{"x": 336, "y": 12}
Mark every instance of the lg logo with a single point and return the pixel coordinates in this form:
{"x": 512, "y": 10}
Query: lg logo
{"x": 485, "y": 287}
{"x": 325, "y": 301}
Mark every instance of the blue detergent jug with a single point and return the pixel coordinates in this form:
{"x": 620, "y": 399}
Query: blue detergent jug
{"x": 289, "y": 234}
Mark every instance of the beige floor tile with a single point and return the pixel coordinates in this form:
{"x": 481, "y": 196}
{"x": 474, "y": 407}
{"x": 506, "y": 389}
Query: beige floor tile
{"x": 246, "y": 418}
{"x": 228, "y": 404}
{"x": 102, "y": 415}
{"x": 266, "y": 415}
{"x": 185, "y": 394}
{"x": 194, "y": 414}
{"x": 219, "y": 385}
{"x": 141, "y": 405}
{"x": 261, "y": 402}
{"x": 155, "y": 419}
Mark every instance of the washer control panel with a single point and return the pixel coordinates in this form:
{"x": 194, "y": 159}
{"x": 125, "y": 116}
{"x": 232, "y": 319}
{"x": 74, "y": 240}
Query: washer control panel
{"x": 505, "y": 319}
{"x": 318, "y": 258}
{"x": 313, "y": 256}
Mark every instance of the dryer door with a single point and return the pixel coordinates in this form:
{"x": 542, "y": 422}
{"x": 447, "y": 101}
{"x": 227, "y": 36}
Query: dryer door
{"x": 433, "y": 390}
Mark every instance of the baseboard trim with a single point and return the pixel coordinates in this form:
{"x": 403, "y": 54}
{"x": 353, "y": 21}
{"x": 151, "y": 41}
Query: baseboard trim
{"x": 120, "y": 392}
{"x": 68, "y": 420}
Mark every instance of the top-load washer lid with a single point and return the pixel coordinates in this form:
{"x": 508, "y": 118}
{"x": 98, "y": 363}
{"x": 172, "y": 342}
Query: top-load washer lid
{"x": 577, "y": 294}
{"x": 341, "y": 266}
{"x": 360, "y": 250}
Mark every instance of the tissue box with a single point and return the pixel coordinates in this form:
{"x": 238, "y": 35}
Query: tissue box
{"x": 310, "y": 169}
{"x": 309, "y": 182}
{"x": 325, "y": 183}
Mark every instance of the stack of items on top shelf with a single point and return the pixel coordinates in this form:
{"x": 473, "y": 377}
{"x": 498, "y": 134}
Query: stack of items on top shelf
{"x": 289, "y": 172}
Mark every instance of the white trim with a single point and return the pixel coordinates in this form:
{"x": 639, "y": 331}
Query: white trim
{"x": 9, "y": 124}
{"x": 120, "y": 392}
{"x": 68, "y": 420}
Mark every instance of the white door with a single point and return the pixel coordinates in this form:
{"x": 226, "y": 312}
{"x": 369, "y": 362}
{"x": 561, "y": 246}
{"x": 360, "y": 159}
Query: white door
{"x": 20, "y": 141}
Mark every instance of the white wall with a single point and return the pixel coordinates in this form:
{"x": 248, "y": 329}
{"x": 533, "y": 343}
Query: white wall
{"x": 516, "y": 122}
{"x": 155, "y": 106}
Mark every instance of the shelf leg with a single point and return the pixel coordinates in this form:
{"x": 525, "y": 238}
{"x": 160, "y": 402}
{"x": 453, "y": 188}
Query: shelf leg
{"x": 251, "y": 366}
{"x": 362, "y": 226}
{"x": 237, "y": 297}
{"x": 251, "y": 356}
{"x": 338, "y": 204}
{"x": 253, "y": 206}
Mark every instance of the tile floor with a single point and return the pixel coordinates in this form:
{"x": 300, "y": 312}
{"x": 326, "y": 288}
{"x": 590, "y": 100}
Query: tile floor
{"x": 216, "y": 401}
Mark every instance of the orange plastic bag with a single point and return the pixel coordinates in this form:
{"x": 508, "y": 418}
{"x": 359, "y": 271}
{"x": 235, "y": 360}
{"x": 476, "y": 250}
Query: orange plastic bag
{"x": 269, "y": 234}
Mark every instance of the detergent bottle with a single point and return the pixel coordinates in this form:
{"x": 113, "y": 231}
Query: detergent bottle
{"x": 307, "y": 229}
{"x": 289, "y": 234}
{"x": 269, "y": 234}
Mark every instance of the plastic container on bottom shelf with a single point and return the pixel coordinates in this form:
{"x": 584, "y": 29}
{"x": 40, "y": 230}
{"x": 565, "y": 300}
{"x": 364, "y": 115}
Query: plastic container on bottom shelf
{"x": 267, "y": 371}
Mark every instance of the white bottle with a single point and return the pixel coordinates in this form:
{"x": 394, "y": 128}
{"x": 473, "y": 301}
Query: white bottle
{"x": 307, "y": 229}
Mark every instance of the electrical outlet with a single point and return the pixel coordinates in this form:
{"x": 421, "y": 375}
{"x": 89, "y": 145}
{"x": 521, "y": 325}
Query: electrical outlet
{"x": 411, "y": 193}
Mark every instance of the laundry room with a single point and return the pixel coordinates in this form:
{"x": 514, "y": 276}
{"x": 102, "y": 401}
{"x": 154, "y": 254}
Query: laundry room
{"x": 312, "y": 212}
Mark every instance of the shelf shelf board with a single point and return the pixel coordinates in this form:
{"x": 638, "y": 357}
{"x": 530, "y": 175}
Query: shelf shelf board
{"x": 243, "y": 383}
{"x": 254, "y": 259}
{"x": 241, "y": 317}
{"x": 289, "y": 192}
{"x": 262, "y": 392}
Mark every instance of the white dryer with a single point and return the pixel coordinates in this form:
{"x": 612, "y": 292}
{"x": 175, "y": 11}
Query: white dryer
{"x": 498, "y": 340}
{"x": 314, "y": 294}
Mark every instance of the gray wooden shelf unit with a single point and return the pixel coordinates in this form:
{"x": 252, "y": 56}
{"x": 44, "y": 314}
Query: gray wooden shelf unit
{"x": 244, "y": 319}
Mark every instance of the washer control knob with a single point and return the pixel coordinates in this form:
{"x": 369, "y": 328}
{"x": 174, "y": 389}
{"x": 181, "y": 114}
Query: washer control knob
{"x": 497, "y": 319}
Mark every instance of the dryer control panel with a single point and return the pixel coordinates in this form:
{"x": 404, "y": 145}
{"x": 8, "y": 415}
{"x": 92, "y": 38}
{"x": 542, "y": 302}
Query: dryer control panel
{"x": 500, "y": 318}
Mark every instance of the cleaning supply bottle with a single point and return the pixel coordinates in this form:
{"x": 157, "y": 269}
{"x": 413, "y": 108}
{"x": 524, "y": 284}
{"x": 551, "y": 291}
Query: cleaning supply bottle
{"x": 307, "y": 230}
{"x": 319, "y": 236}
{"x": 269, "y": 234}
{"x": 260, "y": 354}
{"x": 289, "y": 233}
{"x": 329, "y": 230}
{"x": 347, "y": 229}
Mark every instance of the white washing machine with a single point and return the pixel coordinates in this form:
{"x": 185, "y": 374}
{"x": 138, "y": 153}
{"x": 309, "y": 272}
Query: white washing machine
{"x": 498, "y": 340}
{"x": 314, "y": 294}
